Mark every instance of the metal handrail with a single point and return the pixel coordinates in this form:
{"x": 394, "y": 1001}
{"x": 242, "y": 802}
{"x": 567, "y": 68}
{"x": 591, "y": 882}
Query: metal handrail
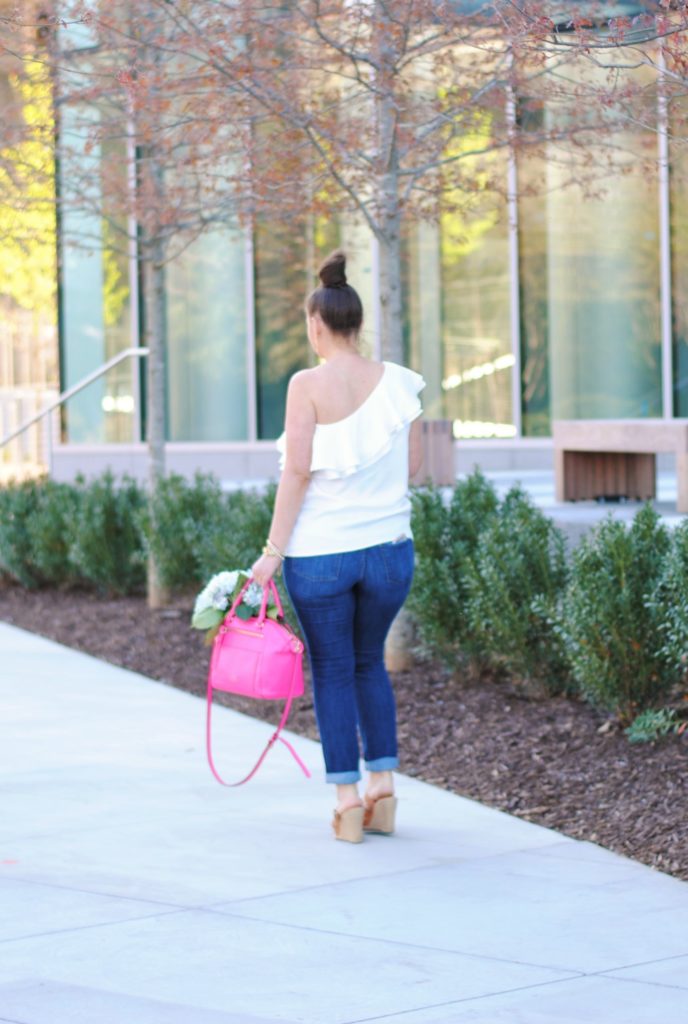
{"x": 127, "y": 353}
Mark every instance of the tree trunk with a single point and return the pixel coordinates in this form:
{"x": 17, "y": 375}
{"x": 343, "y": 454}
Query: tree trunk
{"x": 156, "y": 337}
{"x": 389, "y": 241}
{"x": 152, "y": 175}
{"x": 387, "y": 185}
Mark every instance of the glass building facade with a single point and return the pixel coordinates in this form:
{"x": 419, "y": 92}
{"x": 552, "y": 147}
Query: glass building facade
{"x": 544, "y": 304}
{"x": 537, "y": 302}
{"x": 28, "y": 271}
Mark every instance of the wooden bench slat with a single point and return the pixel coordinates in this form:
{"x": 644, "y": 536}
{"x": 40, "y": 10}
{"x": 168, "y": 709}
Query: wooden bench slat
{"x": 614, "y": 458}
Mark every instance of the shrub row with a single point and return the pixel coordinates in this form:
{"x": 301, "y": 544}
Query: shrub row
{"x": 73, "y": 535}
{"x": 496, "y": 587}
{"x": 99, "y": 534}
{"x": 197, "y": 530}
{"x": 494, "y": 584}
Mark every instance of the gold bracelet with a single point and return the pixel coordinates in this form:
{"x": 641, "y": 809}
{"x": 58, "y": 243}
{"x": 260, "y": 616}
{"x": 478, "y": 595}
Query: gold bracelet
{"x": 272, "y": 549}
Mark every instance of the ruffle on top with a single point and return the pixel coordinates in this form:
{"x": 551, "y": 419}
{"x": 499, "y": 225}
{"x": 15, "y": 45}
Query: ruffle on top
{"x": 363, "y": 437}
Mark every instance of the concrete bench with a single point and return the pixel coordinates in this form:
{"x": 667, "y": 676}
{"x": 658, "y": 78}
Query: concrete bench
{"x": 617, "y": 458}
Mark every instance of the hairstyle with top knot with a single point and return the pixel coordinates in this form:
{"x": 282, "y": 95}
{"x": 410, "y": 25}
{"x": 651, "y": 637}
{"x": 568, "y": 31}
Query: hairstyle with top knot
{"x": 335, "y": 301}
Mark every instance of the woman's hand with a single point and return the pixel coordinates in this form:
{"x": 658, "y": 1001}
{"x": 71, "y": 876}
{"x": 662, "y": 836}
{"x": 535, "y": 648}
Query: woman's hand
{"x": 265, "y": 568}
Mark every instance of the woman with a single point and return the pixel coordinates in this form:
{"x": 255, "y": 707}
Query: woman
{"x": 342, "y": 527}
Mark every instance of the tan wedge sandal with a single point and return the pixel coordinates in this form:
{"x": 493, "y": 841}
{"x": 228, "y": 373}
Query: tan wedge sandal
{"x": 380, "y": 815}
{"x": 348, "y": 824}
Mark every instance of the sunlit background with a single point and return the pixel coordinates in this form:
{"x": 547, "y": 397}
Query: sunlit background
{"x": 523, "y": 308}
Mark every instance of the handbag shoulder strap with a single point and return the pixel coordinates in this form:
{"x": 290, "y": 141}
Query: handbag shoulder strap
{"x": 271, "y": 742}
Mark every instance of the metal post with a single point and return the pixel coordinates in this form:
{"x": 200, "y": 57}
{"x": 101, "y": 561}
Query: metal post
{"x": 49, "y": 444}
{"x": 514, "y": 283}
{"x": 665, "y": 247}
{"x": 134, "y": 297}
{"x": 251, "y": 374}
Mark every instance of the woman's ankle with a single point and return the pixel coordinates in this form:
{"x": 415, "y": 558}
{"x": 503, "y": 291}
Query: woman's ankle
{"x": 348, "y": 796}
{"x": 380, "y": 784}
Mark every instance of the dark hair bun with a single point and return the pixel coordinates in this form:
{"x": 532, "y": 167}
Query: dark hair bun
{"x": 333, "y": 271}
{"x": 334, "y": 301}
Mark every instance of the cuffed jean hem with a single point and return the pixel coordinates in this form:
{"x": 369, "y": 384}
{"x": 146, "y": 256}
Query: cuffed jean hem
{"x": 382, "y": 764}
{"x": 342, "y": 778}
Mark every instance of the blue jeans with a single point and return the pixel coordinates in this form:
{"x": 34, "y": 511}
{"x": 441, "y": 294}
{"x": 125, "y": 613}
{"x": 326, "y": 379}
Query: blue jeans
{"x": 345, "y": 604}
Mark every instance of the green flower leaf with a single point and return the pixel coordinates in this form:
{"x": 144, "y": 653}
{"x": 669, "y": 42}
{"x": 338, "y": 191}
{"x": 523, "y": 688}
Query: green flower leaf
{"x": 243, "y": 577}
{"x": 207, "y": 619}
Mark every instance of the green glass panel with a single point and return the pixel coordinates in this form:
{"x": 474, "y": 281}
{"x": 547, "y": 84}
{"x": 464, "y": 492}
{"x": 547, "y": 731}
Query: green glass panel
{"x": 423, "y": 312}
{"x": 534, "y": 309}
{"x": 95, "y": 285}
{"x": 281, "y": 284}
{"x": 476, "y": 320}
{"x": 457, "y": 317}
{"x": 589, "y": 278}
{"x": 206, "y": 335}
{"x": 603, "y": 302}
{"x": 286, "y": 264}
{"x": 678, "y": 121}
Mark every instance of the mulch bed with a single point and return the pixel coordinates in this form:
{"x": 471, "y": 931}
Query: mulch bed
{"x": 552, "y": 761}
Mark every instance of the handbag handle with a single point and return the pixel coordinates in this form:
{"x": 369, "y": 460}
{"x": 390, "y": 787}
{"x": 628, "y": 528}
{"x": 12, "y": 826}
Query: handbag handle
{"x": 267, "y": 589}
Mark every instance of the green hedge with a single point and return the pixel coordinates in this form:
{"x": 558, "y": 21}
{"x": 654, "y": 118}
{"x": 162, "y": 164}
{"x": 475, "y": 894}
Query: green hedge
{"x": 86, "y": 534}
{"x": 670, "y": 605}
{"x": 446, "y": 536}
{"x": 235, "y": 537}
{"x": 174, "y": 526}
{"x": 99, "y": 534}
{"x": 107, "y": 546}
{"x": 494, "y": 585}
{"x": 18, "y": 506}
{"x": 614, "y": 620}
{"x": 515, "y": 584}
{"x": 489, "y": 578}
{"x": 50, "y": 531}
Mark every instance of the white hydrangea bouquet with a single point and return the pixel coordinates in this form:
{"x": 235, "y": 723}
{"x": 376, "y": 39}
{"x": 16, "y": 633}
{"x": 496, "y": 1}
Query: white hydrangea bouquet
{"x": 218, "y": 596}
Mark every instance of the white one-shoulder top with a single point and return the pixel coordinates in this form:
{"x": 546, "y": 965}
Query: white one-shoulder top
{"x": 358, "y": 492}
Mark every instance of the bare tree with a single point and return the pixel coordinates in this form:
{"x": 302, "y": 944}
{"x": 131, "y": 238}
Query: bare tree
{"x": 386, "y": 110}
{"x": 134, "y": 149}
{"x": 392, "y": 110}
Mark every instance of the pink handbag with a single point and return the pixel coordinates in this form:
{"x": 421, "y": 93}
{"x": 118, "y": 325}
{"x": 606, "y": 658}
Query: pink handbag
{"x": 256, "y": 657}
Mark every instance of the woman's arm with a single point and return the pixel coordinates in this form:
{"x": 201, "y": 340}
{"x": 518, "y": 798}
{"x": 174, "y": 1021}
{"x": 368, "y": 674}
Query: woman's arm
{"x": 415, "y": 447}
{"x": 299, "y": 428}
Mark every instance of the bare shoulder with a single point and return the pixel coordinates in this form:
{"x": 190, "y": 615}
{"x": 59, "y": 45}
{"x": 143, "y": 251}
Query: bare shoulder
{"x": 301, "y": 383}
{"x": 300, "y": 411}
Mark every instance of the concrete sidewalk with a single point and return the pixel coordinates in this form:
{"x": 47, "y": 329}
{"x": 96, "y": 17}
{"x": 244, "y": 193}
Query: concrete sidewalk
{"x": 134, "y": 888}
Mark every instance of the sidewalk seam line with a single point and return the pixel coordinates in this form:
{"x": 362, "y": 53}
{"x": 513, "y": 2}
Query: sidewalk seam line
{"x": 455, "y": 1002}
{"x": 449, "y": 862}
{"x": 99, "y": 924}
{"x": 642, "y": 981}
{"x": 397, "y": 942}
{"x": 96, "y": 892}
